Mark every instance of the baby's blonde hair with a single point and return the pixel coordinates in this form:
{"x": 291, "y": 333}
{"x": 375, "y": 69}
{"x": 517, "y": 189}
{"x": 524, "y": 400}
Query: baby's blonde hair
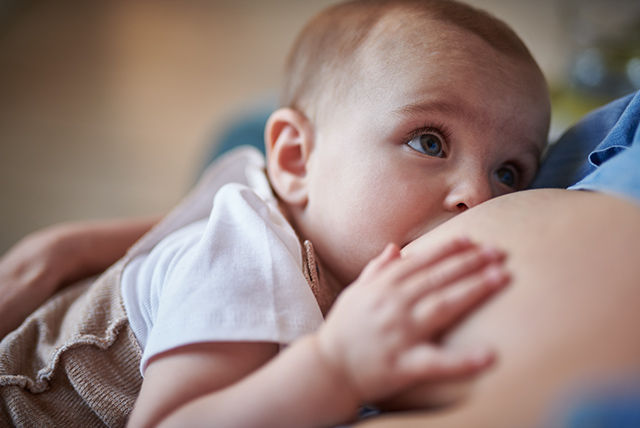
{"x": 319, "y": 60}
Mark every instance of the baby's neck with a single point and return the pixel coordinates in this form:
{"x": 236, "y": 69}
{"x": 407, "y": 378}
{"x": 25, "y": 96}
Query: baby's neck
{"x": 324, "y": 285}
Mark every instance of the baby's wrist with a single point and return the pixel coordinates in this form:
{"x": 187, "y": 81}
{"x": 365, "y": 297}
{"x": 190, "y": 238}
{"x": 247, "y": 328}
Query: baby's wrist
{"x": 337, "y": 379}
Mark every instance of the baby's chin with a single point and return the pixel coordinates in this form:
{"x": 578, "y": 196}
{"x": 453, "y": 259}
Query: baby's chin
{"x": 355, "y": 259}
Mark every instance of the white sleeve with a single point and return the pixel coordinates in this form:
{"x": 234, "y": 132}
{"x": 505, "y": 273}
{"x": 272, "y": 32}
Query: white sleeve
{"x": 241, "y": 280}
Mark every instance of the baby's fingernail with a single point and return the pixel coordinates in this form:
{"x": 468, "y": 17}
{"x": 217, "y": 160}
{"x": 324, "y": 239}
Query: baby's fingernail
{"x": 496, "y": 275}
{"x": 392, "y": 248}
{"x": 493, "y": 253}
{"x": 481, "y": 356}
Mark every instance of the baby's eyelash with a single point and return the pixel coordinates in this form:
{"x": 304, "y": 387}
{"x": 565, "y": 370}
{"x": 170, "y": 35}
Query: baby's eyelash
{"x": 439, "y": 129}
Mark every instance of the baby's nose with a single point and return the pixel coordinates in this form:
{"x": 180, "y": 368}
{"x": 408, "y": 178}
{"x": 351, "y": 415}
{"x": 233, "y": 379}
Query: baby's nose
{"x": 468, "y": 194}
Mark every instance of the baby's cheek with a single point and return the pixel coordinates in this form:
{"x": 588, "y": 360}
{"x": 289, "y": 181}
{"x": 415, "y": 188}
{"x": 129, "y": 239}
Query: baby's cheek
{"x": 364, "y": 226}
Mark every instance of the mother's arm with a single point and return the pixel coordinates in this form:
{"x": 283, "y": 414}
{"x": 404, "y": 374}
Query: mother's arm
{"x": 48, "y": 259}
{"x": 569, "y": 320}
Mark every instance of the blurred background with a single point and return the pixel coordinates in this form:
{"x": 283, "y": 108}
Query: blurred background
{"x": 110, "y": 108}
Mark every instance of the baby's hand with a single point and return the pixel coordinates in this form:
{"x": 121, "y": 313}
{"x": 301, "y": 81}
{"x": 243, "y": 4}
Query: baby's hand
{"x": 381, "y": 333}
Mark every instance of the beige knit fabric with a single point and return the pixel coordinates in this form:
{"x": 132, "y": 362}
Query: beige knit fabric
{"x": 74, "y": 362}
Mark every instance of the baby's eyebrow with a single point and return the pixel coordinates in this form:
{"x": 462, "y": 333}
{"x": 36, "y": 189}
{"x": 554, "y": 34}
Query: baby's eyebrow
{"x": 534, "y": 151}
{"x": 462, "y": 110}
{"x": 440, "y": 106}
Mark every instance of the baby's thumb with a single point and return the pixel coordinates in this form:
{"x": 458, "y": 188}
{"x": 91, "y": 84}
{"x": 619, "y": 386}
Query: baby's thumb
{"x": 391, "y": 252}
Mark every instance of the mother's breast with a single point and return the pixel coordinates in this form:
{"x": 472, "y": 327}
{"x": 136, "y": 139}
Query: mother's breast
{"x": 570, "y": 317}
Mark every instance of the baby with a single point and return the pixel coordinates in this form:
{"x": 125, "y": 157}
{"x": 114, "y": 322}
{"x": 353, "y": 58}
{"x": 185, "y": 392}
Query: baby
{"x": 397, "y": 115}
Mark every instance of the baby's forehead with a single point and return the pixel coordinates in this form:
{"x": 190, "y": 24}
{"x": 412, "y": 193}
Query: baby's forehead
{"x": 428, "y": 54}
{"x": 401, "y": 29}
{"x": 434, "y": 28}
{"x": 408, "y": 54}
{"x": 402, "y": 40}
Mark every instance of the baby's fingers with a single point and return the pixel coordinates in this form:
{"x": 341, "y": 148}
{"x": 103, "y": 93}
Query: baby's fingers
{"x": 391, "y": 252}
{"x": 426, "y": 363}
{"x": 452, "y": 270}
{"x": 437, "y": 311}
{"x": 410, "y": 265}
{"x": 417, "y": 262}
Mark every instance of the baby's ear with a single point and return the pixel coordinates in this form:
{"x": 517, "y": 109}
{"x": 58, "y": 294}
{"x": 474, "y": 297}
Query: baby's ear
{"x": 288, "y": 139}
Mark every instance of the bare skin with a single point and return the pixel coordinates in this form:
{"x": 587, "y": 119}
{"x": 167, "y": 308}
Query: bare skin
{"x": 567, "y": 323}
{"x": 47, "y": 260}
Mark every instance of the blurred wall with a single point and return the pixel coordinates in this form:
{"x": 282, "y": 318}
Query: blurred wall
{"x": 107, "y": 108}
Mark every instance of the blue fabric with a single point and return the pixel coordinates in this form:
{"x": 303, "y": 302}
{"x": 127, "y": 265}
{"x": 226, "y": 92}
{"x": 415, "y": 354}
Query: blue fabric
{"x": 607, "y": 412}
{"x": 601, "y": 152}
{"x": 617, "y": 406}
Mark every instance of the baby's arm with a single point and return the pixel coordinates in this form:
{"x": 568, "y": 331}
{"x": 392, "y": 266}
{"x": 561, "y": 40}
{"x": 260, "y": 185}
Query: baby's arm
{"x": 42, "y": 262}
{"x": 375, "y": 343}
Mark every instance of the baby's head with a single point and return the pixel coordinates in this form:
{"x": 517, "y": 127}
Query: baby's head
{"x": 398, "y": 115}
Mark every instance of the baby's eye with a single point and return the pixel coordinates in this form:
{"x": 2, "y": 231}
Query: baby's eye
{"x": 507, "y": 176}
{"x": 428, "y": 143}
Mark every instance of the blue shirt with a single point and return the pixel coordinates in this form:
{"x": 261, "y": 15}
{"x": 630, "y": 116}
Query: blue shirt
{"x": 600, "y": 153}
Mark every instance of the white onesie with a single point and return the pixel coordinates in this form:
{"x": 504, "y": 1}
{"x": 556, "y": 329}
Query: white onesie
{"x": 234, "y": 276}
